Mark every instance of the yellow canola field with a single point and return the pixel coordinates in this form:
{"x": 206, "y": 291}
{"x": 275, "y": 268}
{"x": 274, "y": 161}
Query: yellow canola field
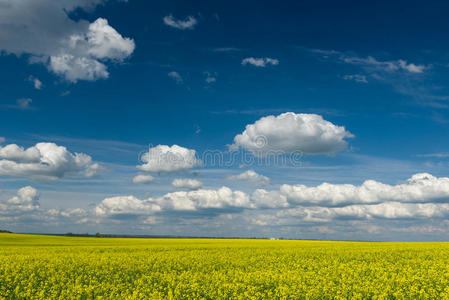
{"x": 50, "y": 267}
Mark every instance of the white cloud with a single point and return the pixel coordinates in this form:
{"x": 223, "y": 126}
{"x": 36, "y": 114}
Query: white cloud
{"x": 423, "y": 196}
{"x": 260, "y": 62}
{"x": 143, "y": 178}
{"x": 76, "y": 50}
{"x": 292, "y": 133}
{"x": 27, "y": 199}
{"x": 252, "y": 177}
{"x": 268, "y": 199}
{"x": 221, "y": 199}
{"x": 125, "y": 205}
{"x": 412, "y": 68}
{"x": 191, "y": 184}
{"x": 44, "y": 161}
{"x": 19, "y": 154}
{"x": 356, "y": 78}
{"x": 25, "y": 203}
{"x": 36, "y": 82}
{"x": 24, "y": 103}
{"x": 175, "y": 75}
{"x": 188, "y": 23}
{"x": 398, "y": 73}
{"x": 73, "y": 212}
{"x": 100, "y": 42}
{"x": 419, "y": 188}
{"x": 204, "y": 199}
{"x": 387, "y": 66}
{"x": 104, "y": 42}
{"x": 387, "y": 210}
{"x": 2, "y": 139}
{"x": 163, "y": 158}
{"x": 78, "y": 68}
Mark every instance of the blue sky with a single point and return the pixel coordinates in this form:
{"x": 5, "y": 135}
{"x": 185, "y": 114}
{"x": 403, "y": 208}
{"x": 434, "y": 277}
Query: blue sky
{"x": 356, "y": 90}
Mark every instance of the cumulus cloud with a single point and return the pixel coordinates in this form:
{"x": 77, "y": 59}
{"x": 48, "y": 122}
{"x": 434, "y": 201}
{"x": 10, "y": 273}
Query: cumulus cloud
{"x": 76, "y": 50}
{"x": 252, "y": 177}
{"x": 260, "y": 62}
{"x": 419, "y": 188}
{"x": 188, "y": 23}
{"x": 163, "y": 158}
{"x": 2, "y": 139}
{"x": 422, "y": 196}
{"x": 176, "y": 76}
{"x": 125, "y": 205}
{"x": 36, "y": 82}
{"x": 45, "y": 161}
{"x": 24, "y": 207}
{"x": 143, "y": 178}
{"x": 191, "y": 184}
{"x": 68, "y": 213}
{"x": 104, "y": 42}
{"x": 100, "y": 42}
{"x": 292, "y": 133}
{"x": 387, "y": 210}
{"x": 78, "y": 68}
{"x": 27, "y": 199}
{"x": 269, "y": 199}
{"x": 203, "y": 199}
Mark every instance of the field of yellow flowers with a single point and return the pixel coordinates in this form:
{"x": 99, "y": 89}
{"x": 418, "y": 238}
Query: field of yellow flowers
{"x": 49, "y": 267}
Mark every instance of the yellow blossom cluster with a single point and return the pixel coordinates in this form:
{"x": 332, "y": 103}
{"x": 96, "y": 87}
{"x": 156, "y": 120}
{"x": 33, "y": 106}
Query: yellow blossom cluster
{"x": 51, "y": 267}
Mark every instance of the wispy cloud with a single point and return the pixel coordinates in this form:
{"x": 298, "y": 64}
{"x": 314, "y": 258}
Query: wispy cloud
{"x": 188, "y": 23}
{"x": 210, "y": 77}
{"x": 356, "y": 78}
{"x": 176, "y": 76}
{"x": 370, "y": 63}
{"x": 21, "y": 104}
{"x": 434, "y": 155}
{"x": 24, "y": 103}
{"x": 97, "y": 147}
{"x": 261, "y": 62}
{"x": 407, "y": 78}
{"x": 386, "y": 66}
{"x": 226, "y": 49}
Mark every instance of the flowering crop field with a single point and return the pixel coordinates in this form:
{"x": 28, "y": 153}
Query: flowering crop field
{"x": 49, "y": 267}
